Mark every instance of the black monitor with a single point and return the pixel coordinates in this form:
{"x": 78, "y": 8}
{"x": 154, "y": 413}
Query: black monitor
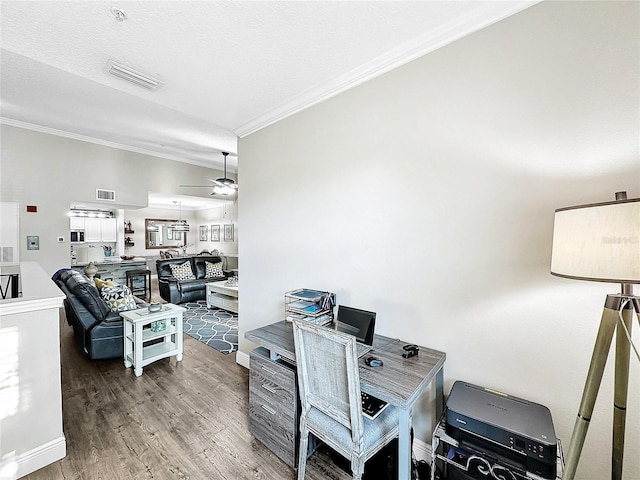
{"x": 359, "y": 323}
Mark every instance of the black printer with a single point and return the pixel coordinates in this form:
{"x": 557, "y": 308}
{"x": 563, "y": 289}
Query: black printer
{"x": 500, "y": 433}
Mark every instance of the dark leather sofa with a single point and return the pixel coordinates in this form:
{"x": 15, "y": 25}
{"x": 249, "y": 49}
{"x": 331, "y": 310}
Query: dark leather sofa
{"x": 181, "y": 291}
{"x": 98, "y": 330}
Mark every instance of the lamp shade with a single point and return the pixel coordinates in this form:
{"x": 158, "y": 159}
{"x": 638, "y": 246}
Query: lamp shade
{"x": 598, "y": 242}
{"x": 180, "y": 226}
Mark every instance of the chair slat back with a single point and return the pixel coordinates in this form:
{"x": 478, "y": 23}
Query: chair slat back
{"x": 328, "y": 374}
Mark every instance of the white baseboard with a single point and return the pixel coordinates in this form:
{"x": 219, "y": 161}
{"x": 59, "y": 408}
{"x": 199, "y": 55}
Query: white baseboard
{"x": 242, "y": 359}
{"x": 422, "y": 450}
{"x": 13, "y": 467}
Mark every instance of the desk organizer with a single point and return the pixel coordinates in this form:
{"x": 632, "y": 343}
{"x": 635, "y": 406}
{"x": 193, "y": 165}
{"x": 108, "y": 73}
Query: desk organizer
{"x": 310, "y": 305}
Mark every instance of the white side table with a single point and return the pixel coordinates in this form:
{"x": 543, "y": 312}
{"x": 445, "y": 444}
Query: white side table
{"x": 137, "y": 352}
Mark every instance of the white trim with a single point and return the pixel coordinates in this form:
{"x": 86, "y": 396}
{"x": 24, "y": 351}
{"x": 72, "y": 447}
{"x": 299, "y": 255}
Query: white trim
{"x": 422, "y": 450}
{"x": 242, "y": 359}
{"x": 397, "y": 57}
{"x": 34, "y": 459}
{"x": 38, "y": 292}
{"x": 99, "y": 141}
{"x": 12, "y": 306}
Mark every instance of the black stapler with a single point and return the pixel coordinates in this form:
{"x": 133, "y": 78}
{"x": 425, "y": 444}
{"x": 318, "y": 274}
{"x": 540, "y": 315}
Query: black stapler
{"x": 410, "y": 351}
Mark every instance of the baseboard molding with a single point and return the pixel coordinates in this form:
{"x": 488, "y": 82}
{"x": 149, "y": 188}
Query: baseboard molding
{"x": 242, "y": 359}
{"x": 422, "y": 450}
{"x": 28, "y": 462}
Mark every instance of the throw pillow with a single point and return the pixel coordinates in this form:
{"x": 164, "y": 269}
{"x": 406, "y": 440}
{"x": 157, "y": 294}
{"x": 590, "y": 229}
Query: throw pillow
{"x": 118, "y": 297}
{"x": 101, "y": 283}
{"x": 213, "y": 270}
{"x": 182, "y": 271}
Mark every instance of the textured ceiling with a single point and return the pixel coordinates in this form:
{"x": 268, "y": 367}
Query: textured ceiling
{"x": 229, "y": 67}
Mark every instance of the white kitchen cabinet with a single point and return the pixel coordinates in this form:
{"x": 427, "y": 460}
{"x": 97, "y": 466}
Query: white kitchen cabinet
{"x": 92, "y": 230}
{"x": 109, "y": 230}
{"x": 76, "y": 223}
{"x": 100, "y": 230}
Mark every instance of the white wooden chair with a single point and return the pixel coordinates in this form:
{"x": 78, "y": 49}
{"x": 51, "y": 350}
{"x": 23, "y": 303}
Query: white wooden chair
{"x": 331, "y": 400}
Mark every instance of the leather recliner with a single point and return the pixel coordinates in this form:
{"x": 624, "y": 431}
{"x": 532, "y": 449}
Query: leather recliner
{"x": 98, "y": 330}
{"x": 181, "y": 291}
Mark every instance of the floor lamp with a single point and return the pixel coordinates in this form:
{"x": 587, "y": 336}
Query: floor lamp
{"x": 600, "y": 242}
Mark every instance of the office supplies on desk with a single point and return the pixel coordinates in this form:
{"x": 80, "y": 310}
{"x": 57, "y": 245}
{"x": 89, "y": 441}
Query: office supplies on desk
{"x": 410, "y": 351}
{"x": 373, "y": 362}
{"x": 313, "y": 306}
{"x": 359, "y": 323}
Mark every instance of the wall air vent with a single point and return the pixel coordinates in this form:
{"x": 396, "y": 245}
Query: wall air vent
{"x": 133, "y": 76}
{"x": 109, "y": 195}
{"x": 8, "y": 256}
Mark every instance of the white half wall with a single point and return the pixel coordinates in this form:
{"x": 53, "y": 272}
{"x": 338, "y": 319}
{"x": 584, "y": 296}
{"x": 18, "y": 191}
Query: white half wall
{"x": 31, "y": 430}
{"x": 428, "y": 195}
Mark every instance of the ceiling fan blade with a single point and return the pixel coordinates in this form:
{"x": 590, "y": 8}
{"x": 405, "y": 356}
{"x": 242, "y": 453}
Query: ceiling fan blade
{"x": 195, "y": 186}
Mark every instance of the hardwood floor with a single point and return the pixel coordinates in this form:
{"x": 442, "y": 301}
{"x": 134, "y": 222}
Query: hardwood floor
{"x": 179, "y": 420}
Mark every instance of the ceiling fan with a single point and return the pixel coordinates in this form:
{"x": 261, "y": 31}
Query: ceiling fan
{"x": 221, "y": 186}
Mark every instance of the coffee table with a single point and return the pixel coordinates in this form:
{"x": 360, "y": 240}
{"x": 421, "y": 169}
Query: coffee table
{"x": 221, "y": 295}
{"x": 140, "y": 327}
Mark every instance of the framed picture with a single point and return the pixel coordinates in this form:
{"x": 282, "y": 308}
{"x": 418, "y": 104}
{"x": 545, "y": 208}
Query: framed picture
{"x": 204, "y": 229}
{"x": 228, "y": 233}
{"x": 215, "y": 233}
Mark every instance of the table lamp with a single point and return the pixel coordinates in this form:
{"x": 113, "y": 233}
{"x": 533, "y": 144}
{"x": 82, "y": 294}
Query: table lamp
{"x": 600, "y": 242}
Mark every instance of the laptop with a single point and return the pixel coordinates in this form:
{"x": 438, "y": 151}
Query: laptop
{"x": 359, "y": 323}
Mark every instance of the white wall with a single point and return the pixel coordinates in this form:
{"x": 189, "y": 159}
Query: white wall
{"x": 52, "y": 172}
{"x": 428, "y": 194}
{"x": 225, "y": 215}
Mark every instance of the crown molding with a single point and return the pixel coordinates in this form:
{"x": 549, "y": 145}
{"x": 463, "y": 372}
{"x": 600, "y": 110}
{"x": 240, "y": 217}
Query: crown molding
{"x": 429, "y": 42}
{"x": 99, "y": 141}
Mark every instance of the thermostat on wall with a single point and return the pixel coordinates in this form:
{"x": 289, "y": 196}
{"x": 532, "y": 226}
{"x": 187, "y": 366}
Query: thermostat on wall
{"x": 33, "y": 242}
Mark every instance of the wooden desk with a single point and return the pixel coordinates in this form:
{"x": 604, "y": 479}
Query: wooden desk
{"x": 400, "y": 381}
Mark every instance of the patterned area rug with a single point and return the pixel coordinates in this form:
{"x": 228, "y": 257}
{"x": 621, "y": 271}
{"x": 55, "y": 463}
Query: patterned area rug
{"x": 213, "y": 326}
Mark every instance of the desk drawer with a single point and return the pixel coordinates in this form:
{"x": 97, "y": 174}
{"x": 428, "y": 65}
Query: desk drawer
{"x": 269, "y": 424}
{"x": 278, "y": 400}
{"x": 281, "y": 374}
{"x": 273, "y": 417}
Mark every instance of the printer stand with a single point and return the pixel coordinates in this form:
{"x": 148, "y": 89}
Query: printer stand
{"x": 450, "y": 461}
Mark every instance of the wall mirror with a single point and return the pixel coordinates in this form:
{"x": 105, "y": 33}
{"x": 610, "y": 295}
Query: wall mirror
{"x": 159, "y": 234}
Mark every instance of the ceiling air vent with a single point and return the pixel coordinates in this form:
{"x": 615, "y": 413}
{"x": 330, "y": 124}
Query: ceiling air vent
{"x": 133, "y": 76}
{"x": 109, "y": 195}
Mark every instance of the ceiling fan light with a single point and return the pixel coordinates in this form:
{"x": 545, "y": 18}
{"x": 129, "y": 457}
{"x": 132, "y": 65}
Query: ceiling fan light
{"x": 225, "y": 190}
